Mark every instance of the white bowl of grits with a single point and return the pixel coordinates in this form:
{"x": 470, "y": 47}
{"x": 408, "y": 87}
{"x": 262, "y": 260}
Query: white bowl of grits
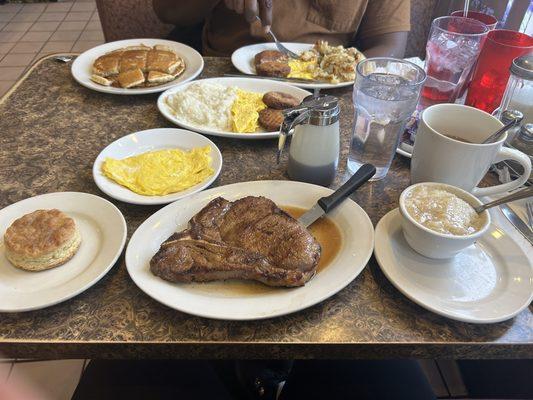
{"x": 439, "y": 220}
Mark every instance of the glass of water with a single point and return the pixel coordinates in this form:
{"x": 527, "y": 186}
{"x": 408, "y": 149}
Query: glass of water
{"x": 385, "y": 95}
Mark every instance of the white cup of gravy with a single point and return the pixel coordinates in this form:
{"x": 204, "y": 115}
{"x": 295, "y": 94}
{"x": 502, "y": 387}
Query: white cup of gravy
{"x": 448, "y": 149}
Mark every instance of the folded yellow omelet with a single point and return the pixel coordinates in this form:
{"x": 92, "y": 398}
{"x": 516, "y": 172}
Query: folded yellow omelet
{"x": 160, "y": 172}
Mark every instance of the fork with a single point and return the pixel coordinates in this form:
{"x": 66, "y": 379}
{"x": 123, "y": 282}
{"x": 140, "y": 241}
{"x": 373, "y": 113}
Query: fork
{"x": 529, "y": 210}
{"x": 280, "y": 46}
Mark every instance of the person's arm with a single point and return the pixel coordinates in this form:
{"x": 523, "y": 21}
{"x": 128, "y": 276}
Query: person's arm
{"x": 183, "y": 13}
{"x": 385, "y": 45}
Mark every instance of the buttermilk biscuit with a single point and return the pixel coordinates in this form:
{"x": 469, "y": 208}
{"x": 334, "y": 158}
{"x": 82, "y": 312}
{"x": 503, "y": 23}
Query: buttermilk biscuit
{"x": 41, "y": 240}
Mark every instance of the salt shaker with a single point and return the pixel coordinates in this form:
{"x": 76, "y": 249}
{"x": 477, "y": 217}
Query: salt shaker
{"x": 314, "y": 148}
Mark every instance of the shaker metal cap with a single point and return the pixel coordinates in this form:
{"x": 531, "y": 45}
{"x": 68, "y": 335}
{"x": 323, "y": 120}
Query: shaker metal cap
{"x": 510, "y": 115}
{"x": 523, "y": 67}
{"x": 527, "y": 131}
{"x": 325, "y": 114}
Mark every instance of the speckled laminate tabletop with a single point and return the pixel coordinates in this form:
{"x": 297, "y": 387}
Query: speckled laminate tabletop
{"x": 52, "y": 129}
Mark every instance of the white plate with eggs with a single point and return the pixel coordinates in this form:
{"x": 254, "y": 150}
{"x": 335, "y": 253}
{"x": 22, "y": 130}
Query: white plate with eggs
{"x": 152, "y": 140}
{"x": 210, "y": 112}
{"x": 103, "y": 234}
{"x": 243, "y": 60}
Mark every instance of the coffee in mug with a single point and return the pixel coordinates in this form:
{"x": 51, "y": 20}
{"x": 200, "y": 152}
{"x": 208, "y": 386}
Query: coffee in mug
{"x": 448, "y": 149}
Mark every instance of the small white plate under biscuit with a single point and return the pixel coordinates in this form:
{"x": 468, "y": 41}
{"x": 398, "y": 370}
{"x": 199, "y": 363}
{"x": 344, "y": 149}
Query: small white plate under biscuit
{"x": 103, "y": 235}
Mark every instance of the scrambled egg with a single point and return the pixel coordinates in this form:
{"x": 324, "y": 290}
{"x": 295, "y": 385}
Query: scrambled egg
{"x": 160, "y": 172}
{"x": 302, "y": 69}
{"x": 245, "y": 111}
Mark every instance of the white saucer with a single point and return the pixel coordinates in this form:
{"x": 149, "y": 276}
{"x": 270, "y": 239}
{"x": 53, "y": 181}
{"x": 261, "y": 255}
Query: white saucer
{"x": 103, "y": 234}
{"x": 150, "y": 140}
{"x": 235, "y": 300}
{"x": 490, "y": 281}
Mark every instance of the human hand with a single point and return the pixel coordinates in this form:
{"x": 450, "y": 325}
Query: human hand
{"x": 251, "y": 9}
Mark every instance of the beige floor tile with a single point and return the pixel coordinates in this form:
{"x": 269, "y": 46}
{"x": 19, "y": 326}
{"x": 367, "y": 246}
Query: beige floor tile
{"x": 41, "y": 26}
{"x": 2, "y": 24}
{"x": 11, "y": 8}
{"x": 92, "y": 35}
{"x": 17, "y": 60}
{"x": 26, "y": 47}
{"x": 10, "y": 73}
{"x": 30, "y": 17}
{"x": 63, "y": 36}
{"x": 57, "y": 47}
{"x": 36, "y": 36}
{"x": 52, "y": 16}
{"x": 59, "y": 7}
{"x": 57, "y": 379}
{"x": 95, "y": 16}
{"x": 6, "y": 16}
{"x": 5, "y": 367}
{"x": 17, "y": 26}
{"x": 82, "y": 45}
{"x": 86, "y": 6}
{"x": 72, "y": 26}
{"x": 33, "y": 8}
{"x": 5, "y": 47}
{"x": 1, "y": 56}
{"x": 78, "y": 16}
{"x": 6, "y": 37}
{"x": 94, "y": 26}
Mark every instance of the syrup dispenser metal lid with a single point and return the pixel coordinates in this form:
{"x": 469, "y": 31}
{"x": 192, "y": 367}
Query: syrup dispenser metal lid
{"x": 320, "y": 110}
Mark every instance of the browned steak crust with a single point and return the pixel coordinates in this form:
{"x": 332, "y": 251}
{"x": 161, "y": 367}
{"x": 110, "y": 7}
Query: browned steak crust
{"x": 250, "y": 238}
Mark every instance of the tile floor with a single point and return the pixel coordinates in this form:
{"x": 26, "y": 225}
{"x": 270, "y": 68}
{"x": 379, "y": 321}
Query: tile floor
{"x": 30, "y": 31}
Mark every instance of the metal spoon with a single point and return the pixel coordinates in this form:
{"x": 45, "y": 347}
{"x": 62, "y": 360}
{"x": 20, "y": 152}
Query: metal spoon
{"x": 280, "y": 47}
{"x": 495, "y": 136}
{"x": 521, "y": 194}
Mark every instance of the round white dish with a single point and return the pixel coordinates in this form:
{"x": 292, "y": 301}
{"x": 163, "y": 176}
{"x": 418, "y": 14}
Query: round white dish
{"x": 250, "y": 84}
{"x": 433, "y": 244}
{"x": 490, "y": 281}
{"x": 243, "y": 60}
{"x": 225, "y": 300}
{"x": 82, "y": 65}
{"x": 151, "y": 140}
{"x": 103, "y": 234}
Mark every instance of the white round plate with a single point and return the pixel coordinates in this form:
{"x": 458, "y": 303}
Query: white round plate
{"x": 490, "y": 281}
{"x": 243, "y": 60}
{"x": 150, "y": 140}
{"x": 252, "y": 85}
{"x": 228, "y": 301}
{"x": 82, "y": 65}
{"x": 103, "y": 234}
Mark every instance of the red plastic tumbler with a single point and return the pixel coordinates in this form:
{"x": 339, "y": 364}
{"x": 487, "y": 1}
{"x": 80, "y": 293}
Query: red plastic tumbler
{"x": 492, "y": 70}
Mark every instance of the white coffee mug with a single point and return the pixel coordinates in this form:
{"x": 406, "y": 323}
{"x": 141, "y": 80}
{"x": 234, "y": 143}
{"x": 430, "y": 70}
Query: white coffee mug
{"x": 439, "y": 158}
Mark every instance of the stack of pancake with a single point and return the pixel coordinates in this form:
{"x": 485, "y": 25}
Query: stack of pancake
{"x": 137, "y": 66}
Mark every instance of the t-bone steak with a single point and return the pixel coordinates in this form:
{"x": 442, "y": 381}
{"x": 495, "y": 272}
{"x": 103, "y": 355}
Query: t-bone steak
{"x": 250, "y": 238}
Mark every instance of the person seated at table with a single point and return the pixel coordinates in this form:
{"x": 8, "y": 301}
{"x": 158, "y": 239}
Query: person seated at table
{"x": 375, "y": 27}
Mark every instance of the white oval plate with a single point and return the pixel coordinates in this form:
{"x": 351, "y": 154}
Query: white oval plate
{"x": 220, "y": 300}
{"x": 490, "y": 281}
{"x": 82, "y": 65}
{"x": 243, "y": 60}
{"x": 103, "y": 234}
{"x": 150, "y": 140}
{"x": 253, "y": 85}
